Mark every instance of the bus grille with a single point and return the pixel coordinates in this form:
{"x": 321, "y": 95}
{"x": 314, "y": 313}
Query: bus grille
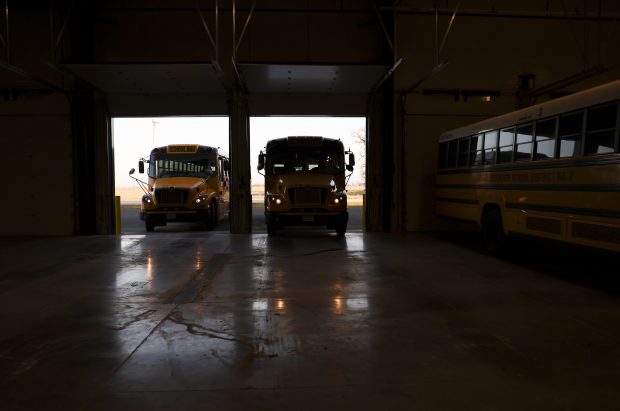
{"x": 168, "y": 196}
{"x": 307, "y": 195}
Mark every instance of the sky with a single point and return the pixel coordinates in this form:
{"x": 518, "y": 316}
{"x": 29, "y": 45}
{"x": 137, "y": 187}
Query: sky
{"x": 135, "y": 137}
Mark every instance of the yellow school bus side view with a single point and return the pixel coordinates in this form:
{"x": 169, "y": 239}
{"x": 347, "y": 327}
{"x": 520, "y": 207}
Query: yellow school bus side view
{"x": 305, "y": 182}
{"x": 551, "y": 170}
{"x": 186, "y": 182}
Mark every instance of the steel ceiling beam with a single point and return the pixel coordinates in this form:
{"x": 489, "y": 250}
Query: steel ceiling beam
{"x": 514, "y": 14}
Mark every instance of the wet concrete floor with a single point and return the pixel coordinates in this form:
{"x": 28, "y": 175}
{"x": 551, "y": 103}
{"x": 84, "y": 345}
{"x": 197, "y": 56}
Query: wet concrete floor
{"x": 305, "y": 321}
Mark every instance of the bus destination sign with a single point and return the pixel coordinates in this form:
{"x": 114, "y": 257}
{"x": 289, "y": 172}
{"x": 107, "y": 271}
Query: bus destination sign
{"x": 182, "y": 149}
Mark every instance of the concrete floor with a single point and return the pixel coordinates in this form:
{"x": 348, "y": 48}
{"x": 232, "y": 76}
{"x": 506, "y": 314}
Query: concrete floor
{"x": 305, "y": 321}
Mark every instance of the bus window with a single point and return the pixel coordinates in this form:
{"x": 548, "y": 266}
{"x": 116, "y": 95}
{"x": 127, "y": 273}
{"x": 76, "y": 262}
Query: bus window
{"x": 524, "y": 142}
{"x": 452, "y": 152}
{"x": 475, "y": 147}
{"x": 490, "y": 147}
{"x": 463, "y": 152}
{"x": 569, "y": 133}
{"x": 506, "y": 142}
{"x": 545, "y": 139}
{"x": 601, "y": 129}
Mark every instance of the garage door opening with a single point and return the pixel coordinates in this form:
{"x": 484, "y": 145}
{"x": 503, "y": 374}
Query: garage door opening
{"x": 133, "y": 140}
{"x": 350, "y": 130}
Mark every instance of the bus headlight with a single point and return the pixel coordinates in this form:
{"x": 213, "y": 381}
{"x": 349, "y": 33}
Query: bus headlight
{"x": 200, "y": 200}
{"x": 275, "y": 199}
{"x": 340, "y": 198}
{"x": 147, "y": 199}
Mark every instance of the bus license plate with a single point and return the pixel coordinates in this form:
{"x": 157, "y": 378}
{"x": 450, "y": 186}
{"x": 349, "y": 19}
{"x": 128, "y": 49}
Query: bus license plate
{"x": 171, "y": 216}
{"x": 308, "y": 218}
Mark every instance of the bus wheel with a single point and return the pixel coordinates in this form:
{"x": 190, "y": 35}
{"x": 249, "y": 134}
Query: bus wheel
{"x": 272, "y": 227}
{"x": 493, "y": 231}
{"x": 150, "y": 226}
{"x": 212, "y": 216}
{"x": 341, "y": 229}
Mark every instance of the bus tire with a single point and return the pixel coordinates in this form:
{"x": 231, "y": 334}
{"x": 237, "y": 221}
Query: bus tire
{"x": 272, "y": 227}
{"x": 493, "y": 231}
{"x": 341, "y": 229}
{"x": 150, "y": 226}
{"x": 212, "y": 216}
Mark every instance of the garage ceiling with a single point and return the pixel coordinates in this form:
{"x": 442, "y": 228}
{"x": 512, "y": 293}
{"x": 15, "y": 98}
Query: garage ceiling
{"x": 151, "y": 78}
{"x": 142, "y": 89}
{"x": 314, "y": 79}
{"x": 205, "y": 78}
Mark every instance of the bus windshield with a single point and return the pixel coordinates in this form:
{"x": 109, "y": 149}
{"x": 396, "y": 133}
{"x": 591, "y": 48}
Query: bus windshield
{"x": 285, "y": 159}
{"x": 182, "y": 165}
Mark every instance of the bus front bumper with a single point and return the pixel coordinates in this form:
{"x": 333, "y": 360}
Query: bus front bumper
{"x": 163, "y": 217}
{"x": 329, "y": 219}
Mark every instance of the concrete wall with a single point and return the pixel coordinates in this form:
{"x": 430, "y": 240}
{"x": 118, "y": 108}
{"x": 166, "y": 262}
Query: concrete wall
{"x": 36, "y": 166}
{"x": 54, "y": 135}
{"x": 35, "y": 133}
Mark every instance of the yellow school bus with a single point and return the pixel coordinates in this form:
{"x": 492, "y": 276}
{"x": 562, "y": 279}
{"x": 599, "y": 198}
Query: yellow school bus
{"x": 551, "y": 170}
{"x": 305, "y": 182}
{"x": 186, "y": 182}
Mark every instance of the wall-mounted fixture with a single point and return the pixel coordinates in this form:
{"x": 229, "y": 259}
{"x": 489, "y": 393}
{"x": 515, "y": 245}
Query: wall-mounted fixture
{"x": 454, "y": 92}
{"x": 485, "y": 95}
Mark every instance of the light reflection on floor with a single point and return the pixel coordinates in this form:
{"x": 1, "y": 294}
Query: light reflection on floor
{"x": 299, "y": 321}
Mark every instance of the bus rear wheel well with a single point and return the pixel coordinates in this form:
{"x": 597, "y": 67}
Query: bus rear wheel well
{"x": 492, "y": 228}
{"x": 485, "y": 211}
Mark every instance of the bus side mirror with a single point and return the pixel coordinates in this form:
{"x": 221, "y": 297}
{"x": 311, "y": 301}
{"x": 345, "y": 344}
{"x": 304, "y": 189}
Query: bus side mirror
{"x": 351, "y": 159}
{"x": 226, "y": 165}
{"x": 133, "y": 170}
{"x": 141, "y": 167}
{"x": 261, "y": 161}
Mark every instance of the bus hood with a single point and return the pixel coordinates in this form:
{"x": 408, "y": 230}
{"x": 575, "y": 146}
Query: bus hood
{"x": 179, "y": 183}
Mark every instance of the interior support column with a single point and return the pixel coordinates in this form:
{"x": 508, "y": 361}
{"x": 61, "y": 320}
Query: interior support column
{"x": 240, "y": 194}
{"x": 83, "y": 164}
{"x": 379, "y": 159}
{"x": 93, "y": 154}
{"x": 104, "y": 173}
